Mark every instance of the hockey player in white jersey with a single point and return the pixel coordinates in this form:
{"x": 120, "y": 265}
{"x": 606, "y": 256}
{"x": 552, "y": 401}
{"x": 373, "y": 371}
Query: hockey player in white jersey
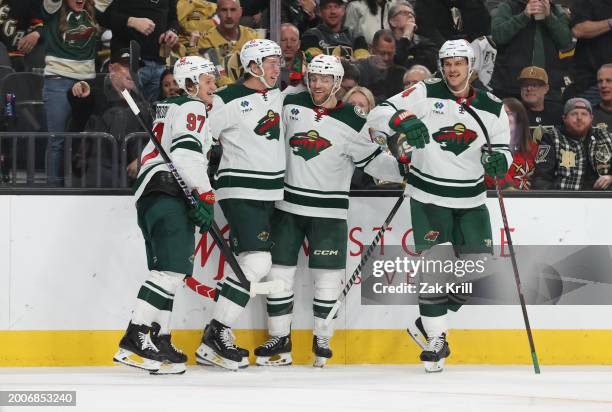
{"x": 249, "y": 180}
{"x": 166, "y": 220}
{"x": 446, "y": 179}
{"x": 326, "y": 140}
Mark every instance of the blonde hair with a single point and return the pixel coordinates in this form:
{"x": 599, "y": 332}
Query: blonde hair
{"x": 363, "y": 90}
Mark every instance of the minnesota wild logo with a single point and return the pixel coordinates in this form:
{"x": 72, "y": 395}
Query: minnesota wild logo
{"x": 269, "y": 126}
{"x": 455, "y": 138}
{"x": 309, "y": 144}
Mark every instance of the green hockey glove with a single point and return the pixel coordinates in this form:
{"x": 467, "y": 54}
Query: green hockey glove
{"x": 415, "y": 130}
{"x": 203, "y": 213}
{"x": 495, "y": 164}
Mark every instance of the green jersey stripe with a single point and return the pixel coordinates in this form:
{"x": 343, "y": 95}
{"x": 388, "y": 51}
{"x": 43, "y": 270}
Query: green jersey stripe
{"x": 156, "y": 300}
{"x": 193, "y": 146}
{"x": 330, "y": 203}
{"x": 250, "y": 172}
{"x": 318, "y": 192}
{"x": 446, "y": 191}
{"x": 159, "y": 288}
{"x": 440, "y": 179}
{"x": 279, "y": 299}
{"x": 249, "y": 182}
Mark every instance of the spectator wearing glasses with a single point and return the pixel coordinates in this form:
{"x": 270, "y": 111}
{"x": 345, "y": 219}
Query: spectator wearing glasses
{"x": 534, "y": 87}
{"x": 575, "y": 156}
{"x": 412, "y": 49}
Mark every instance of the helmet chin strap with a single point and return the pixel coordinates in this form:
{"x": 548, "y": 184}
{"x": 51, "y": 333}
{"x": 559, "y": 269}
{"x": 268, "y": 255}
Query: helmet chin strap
{"x": 262, "y": 77}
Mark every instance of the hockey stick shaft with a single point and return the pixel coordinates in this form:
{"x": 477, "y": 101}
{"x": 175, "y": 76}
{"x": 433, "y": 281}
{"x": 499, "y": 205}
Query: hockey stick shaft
{"x": 502, "y": 208}
{"x": 214, "y": 229}
{"x": 364, "y": 259}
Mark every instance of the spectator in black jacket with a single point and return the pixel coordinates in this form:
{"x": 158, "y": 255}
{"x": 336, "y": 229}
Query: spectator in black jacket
{"x": 331, "y": 36}
{"x": 529, "y": 33}
{"x": 592, "y": 26}
{"x": 20, "y": 21}
{"x": 301, "y": 13}
{"x": 602, "y": 113}
{"x": 534, "y": 87}
{"x": 574, "y": 156}
{"x": 154, "y": 25}
{"x": 441, "y": 20}
{"x": 411, "y": 48}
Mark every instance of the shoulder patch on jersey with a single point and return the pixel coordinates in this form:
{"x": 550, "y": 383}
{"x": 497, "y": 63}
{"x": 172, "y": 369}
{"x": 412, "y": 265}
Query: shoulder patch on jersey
{"x": 359, "y": 112}
{"x": 484, "y": 101}
{"x": 432, "y": 80}
{"x": 543, "y": 150}
{"x": 347, "y": 115}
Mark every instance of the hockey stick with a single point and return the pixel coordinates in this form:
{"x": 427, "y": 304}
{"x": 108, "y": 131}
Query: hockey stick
{"x": 517, "y": 278}
{"x": 215, "y": 232}
{"x": 365, "y": 257}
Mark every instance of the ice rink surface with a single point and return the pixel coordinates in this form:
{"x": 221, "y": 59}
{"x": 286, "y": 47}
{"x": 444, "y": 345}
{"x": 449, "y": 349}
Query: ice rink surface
{"x": 334, "y": 388}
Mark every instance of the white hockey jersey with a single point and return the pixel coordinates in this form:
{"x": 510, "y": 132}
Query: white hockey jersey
{"x": 181, "y": 126}
{"x": 323, "y": 148}
{"x": 448, "y": 171}
{"x": 247, "y": 124}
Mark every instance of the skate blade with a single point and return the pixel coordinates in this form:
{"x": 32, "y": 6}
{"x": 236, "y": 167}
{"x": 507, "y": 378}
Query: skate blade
{"x": 207, "y": 354}
{"x": 320, "y": 362}
{"x": 434, "y": 367}
{"x": 170, "y": 369}
{"x": 282, "y": 359}
{"x": 244, "y": 363}
{"x": 417, "y": 337}
{"x": 125, "y": 357}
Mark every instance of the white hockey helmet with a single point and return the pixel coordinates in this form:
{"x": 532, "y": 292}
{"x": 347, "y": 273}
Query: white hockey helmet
{"x": 256, "y": 50}
{"x": 326, "y": 64}
{"x": 191, "y": 67}
{"x": 457, "y": 48}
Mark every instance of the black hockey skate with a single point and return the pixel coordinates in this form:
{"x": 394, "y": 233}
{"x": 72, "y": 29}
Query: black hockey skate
{"x": 435, "y": 353}
{"x": 321, "y": 349}
{"x": 174, "y": 359}
{"x": 242, "y": 351}
{"x": 137, "y": 341}
{"x": 218, "y": 347}
{"x": 276, "y": 351}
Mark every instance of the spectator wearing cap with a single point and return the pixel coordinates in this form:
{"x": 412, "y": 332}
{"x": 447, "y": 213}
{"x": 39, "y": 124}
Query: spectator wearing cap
{"x": 592, "y": 26}
{"x": 100, "y": 108}
{"x": 574, "y": 156}
{"x": 378, "y": 72}
{"x": 534, "y": 87}
{"x": 366, "y": 17}
{"x": 411, "y": 48}
{"x": 331, "y": 36}
{"x": 602, "y": 112}
{"x": 529, "y": 33}
{"x": 442, "y": 20}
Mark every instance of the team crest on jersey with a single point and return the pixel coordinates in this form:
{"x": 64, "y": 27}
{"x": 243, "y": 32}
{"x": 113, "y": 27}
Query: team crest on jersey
{"x": 269, "y": 126}
{"x": 309, "y": 144}
{"x": 263, "y": 236}
{"x": 455, "y": 139}
{"x": 431, "y": 236}
{"x": 359, "y": 112}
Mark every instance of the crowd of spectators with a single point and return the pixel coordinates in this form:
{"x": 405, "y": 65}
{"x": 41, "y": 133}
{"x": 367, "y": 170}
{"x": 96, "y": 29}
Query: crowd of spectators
{"x": 549, "y": 60}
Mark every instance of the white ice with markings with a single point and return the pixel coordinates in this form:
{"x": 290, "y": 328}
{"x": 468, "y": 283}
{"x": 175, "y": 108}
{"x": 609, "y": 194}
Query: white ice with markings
{"x": 334, "y": 388}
